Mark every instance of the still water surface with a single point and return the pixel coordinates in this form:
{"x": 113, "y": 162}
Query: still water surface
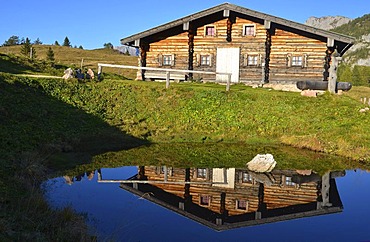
{"x": 218, "y": 204}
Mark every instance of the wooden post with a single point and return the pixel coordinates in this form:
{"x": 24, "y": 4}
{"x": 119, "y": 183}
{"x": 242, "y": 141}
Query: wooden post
{"x": 228, "y": 82}
{"x": 325, "y": 188}
{"x": 143, "y": 52}
{"x": 229, "y": 29}
{"x": 165, "y": 173}
{"x": 191, "y": 51}
{"x": 100, "y": 72}
{"x": 328, "y": 52}
{"x": 82, "y": 64}
{"x": 268, "y": 43}
{"x": 332, "y": 85}
{"x": 167, "y": 79}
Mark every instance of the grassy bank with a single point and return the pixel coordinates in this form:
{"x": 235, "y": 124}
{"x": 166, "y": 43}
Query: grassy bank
{"x": 189, "y": 112}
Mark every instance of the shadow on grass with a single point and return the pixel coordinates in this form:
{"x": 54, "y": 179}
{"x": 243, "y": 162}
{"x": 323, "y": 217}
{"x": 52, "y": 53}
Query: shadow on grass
{"x": 31, "y": 120}
{"x": 40, "y": 134}
{"x": 11, "y": 64}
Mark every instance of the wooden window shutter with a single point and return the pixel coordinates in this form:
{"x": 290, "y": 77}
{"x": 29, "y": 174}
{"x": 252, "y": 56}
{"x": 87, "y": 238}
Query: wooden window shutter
{"x": 259, "y": 61}
{"x": 245, "y": 60}
{"x": 173, "y": 60}
{"x": 289, "y": 60}
{"x": 198, "y": 60}
{"x": 160, "y": 60}
{"x": 304, "y": 61}
{"x": 210, "y": 59}
{"x": 239, "y": 178}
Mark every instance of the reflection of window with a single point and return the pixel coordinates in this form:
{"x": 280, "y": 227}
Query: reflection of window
{"x": 167, "y": 60}
{"x": 297, "y": 61}
{"x": 201, "y": 172}
{"x": 242, "y": 204}
{"x": 205, "y": 60}
{"x": 162, "y": 169}
{"x": 210, "y": 30}
{"x": 246, "y": 178}
{"x": 205, "y": 200}
{"x": 289, "y": 182}
{"x": 249, "y": 30}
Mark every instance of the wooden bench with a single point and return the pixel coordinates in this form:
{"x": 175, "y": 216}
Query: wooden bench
{"x": 154, "y": 75}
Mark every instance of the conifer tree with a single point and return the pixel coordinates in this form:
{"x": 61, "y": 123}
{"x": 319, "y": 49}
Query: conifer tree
{"x": 37, "y": 42}
{"x": 50, "y": 56}
{"x": 67, "y": 42}
{"x": 56, "y": 43}
{"x": 26, "y": 47}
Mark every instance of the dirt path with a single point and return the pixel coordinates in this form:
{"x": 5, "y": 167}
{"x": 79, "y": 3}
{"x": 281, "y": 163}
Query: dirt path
{"x": 39, "y": 76}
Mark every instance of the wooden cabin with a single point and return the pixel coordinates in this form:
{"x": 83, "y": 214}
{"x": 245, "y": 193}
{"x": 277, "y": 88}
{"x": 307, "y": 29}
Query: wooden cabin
{"x": 223, "y": 198}
{"x": 252, "y": 46}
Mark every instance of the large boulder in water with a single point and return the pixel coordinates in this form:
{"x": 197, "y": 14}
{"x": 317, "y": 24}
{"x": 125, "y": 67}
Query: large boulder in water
{"x": 262, "y": 163}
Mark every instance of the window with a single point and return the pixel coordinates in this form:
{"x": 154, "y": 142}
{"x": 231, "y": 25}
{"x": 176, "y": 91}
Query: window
{"x": 205, "y": 60}
{"x": 201, "y": 172}
{"x": 210, "y": 30}
{"x": 167, "y": 60}
{"x": 246, "y": 178}
{"x": 249, "y": 30}
{"x": 297, "y": 61}
{"x": 205, "y": 200}
{"x": 242, "y": 204}
{"x": 252, "y": 60}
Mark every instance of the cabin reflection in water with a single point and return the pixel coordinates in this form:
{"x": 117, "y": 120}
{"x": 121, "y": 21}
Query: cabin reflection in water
{"x": 229, "y": 198}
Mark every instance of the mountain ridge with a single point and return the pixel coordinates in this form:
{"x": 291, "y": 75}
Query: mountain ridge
{"x": 359, "y": 28}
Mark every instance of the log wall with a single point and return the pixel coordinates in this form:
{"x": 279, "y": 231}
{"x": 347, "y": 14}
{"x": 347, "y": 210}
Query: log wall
{"x": 283, "y": 43}
{"x": 286, "y": 43}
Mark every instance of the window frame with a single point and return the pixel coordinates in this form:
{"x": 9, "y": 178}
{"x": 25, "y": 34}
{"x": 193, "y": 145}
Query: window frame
{"x": 209, "y": 26}
{"x": 252, "y": 62}
{"x": 297, "y": 61}
{"x": 167, "y": 60}
{"x": 288, "y": 182}
{"x": 208, "y": 200}
{"x": 255, "y": 62}
{"x": 247, "y": 33}
{"x": 246, "y": 178}
{"x": 202, "y": 173}
{"x": 239, "y": 204}
{"x": 207, "y": 59}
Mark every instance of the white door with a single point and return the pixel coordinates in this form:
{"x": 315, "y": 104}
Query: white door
{"x": 223, "y": 177}
{"x": 227, "y": 61}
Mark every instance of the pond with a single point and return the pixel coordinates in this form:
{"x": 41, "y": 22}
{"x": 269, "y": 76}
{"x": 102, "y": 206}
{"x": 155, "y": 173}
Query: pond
{"x": 167, "y": 203}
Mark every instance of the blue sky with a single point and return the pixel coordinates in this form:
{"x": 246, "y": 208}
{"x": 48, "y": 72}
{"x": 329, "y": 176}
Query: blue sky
{"x": 93, "y": 23}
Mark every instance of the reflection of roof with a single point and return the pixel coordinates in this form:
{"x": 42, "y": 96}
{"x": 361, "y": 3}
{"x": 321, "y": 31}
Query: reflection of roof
{"x": 224, "y": 221}
{"x": 242, "y": 11}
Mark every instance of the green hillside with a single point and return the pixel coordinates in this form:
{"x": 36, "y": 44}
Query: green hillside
{"x": 355, "y": 28}
{"x": 355, "y": 67}
{"x": 12, "y": 61}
